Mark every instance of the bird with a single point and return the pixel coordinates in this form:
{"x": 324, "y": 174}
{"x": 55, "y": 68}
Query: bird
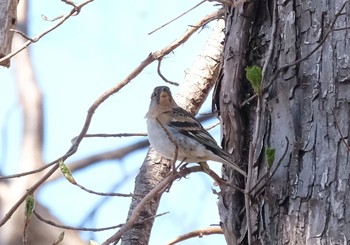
{"x": 172, "y": 131}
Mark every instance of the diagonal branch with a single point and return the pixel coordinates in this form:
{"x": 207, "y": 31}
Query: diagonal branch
{"x": 194, "y": 91}
{"x": 150, "y": 59}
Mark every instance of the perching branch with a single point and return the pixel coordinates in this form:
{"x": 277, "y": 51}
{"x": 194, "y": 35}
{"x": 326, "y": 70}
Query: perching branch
{"x": 198, "y": 82}
{"x": 150, "y": 59}
{"x": 161, "y": 187}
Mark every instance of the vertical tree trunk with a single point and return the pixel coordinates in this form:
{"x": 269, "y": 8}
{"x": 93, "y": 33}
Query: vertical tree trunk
{"x": 228, "y": 100}
{"x": 8, "y": 21}
{"x": 306, "y": 200}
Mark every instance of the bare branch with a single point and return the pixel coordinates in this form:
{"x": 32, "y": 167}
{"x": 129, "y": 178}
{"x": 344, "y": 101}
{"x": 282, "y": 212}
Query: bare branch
{"x": 232, "y": 3}
{"x": 51, "y": 20}
{"x": 105, "y": 194}
{"x": 198, "y": 82}
{"x": 104, "y": 156}
{"x": 176, "y": 17}
{"x": 151, "y": 58}
{"x": 27, "y": 173}
{"x": 30, "y": 41}
{"x": 197, "y": 233}
{"x": 31, "y": 190}
{"x": 50, "y": 222}
{"x": 162, "y": 76}
{"x": 162, "y": 186}
{"x": 22, "y": 34}
{"x": 114, "y": 135}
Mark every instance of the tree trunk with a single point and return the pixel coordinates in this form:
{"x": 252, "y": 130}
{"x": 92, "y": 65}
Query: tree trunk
{"x": 8, "y": 21}
{"x": 305, "y": 200}
{"x": 193, "y": 92}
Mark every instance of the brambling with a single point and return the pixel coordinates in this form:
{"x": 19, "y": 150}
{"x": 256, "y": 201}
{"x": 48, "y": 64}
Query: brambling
{"x": 173, "y": 131}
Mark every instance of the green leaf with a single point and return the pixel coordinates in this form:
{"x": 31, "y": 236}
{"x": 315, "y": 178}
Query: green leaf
{"x": 66, "y": 172}
{"x": 254, "y": 76}
{"x": 29, "y": 206}
{"x": 270, "y": 156}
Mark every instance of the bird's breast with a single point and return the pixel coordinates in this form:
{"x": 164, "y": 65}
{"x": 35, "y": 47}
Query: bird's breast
{"x": 159, "y": 139}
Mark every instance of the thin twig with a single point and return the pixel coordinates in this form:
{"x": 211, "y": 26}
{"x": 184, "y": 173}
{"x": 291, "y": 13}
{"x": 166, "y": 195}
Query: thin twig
{"x": 73, "y": 149}
{"x": 75, "y": 10}
{"x": 279, "y": 70}
{"x": 272, "y": 41}
{"x": 44, "y": 17}
{"x": 341, "y": 28}
{"x": 106, "y": 194}
{"x": 150, "y": 33}
{"x": 110, "y": 135}
{"x": 272, "y": 173}
{"x": 249, "y": 99}
{"x": 161, "y": 186}
{"x": 27, "y": 173}
{"x": 212, "y": 126}
{"x": 217, "y": 178}
{"x": 31, "y": 190}
{"x": 22, "y": 34}
{"x": 162, "y": 76}
{"x": 115, "y": 135}
{"x": 232, "y": 3}
{"x": 208, "y": 18}
{"x": 67, "y": 227}
{"x": 342, "y": 138}
{"x": 197, "y": 233}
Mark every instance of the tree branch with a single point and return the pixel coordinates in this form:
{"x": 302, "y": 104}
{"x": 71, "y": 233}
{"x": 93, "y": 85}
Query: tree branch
{"x": 30, "y": 41}
{"x": 197, "y": 233}
{"x": 150, "y": 59}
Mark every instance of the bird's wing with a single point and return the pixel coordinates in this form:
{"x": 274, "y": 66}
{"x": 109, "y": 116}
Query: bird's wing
{"x": 189, "y": 126}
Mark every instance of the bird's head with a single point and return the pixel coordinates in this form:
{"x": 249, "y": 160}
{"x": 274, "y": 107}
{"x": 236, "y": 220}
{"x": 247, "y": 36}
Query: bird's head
{"x": 161, "y": 101}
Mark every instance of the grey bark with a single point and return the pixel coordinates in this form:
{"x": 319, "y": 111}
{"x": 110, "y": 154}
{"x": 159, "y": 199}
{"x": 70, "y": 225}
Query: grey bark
{"x": 8, "y": 20}
{"x": 228, "y": 98}
{"x": 306, "y": 201}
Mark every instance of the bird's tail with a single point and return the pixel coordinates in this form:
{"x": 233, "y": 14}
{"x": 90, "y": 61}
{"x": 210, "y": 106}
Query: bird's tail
{"x": 227, "y": 158}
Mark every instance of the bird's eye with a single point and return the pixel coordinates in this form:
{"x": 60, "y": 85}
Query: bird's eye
{"x": 154, "y": 94}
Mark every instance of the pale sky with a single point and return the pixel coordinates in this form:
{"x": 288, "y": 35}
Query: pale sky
{"x": 74, "y": 65}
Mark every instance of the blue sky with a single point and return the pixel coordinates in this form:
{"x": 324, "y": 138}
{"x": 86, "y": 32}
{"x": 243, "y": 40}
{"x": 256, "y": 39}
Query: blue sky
{"x": 76, "y": 63}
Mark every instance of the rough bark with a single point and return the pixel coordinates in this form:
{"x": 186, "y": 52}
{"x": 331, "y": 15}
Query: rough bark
{"x": 228, "y": 98}
{"x": 192, "y": 94}
{"x": 8, "y": 21}
{"x": 306, "y": 200}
